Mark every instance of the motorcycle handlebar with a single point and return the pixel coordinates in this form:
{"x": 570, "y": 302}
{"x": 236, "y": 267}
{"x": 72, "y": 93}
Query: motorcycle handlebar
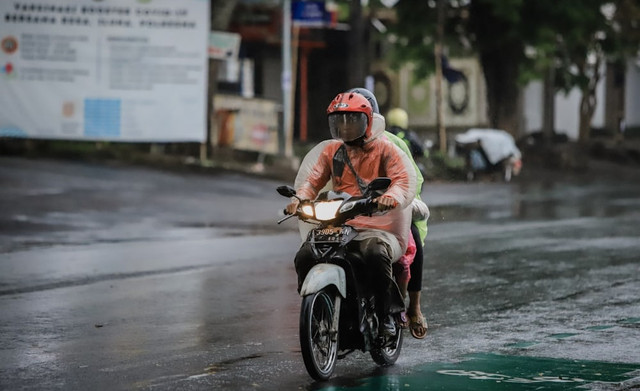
{"x": 366, "y": 206}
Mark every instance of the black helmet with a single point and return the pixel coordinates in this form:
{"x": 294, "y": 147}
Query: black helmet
{"x": 370, "y": 97}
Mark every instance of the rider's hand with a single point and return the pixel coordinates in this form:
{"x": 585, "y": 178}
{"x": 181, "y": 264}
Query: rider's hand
{"x": 292, "y": 207}
{"x": 385, "y": 202}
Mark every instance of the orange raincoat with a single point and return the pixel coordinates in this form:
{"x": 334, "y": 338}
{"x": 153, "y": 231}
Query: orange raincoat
{"x": 378, "y": 157}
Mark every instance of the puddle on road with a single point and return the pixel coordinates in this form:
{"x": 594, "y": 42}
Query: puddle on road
{"x": 630, "y": 321}
{"x": 598, "y": 328}
{"x": 523, "y": 344}
{"x": 562, "y": 335}
{"x": 499, "y": 372}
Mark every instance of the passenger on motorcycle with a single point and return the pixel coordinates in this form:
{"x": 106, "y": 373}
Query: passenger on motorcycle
{"x": 355, "y": 157}
{"x": 398, "y": 125}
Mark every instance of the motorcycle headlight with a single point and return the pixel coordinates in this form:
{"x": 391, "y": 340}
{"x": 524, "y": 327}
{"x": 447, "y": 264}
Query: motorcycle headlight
{"x": 307, "y": 210}
{"x": 327, "y": 210}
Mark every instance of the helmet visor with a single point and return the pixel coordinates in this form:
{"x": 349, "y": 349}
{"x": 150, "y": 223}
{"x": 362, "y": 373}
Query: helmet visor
{"x": 347, "y": 126}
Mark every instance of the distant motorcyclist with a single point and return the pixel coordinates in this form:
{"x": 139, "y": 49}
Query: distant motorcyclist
{"x": 398, "y": 123}
{"x": 355, "y": 157}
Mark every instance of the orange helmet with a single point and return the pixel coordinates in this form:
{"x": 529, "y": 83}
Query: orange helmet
{"x": 350, "y": 117}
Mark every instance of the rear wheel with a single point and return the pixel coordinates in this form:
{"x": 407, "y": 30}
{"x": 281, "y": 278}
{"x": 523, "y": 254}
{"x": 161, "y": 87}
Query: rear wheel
{"x": 318, "y": 342}
{"x": 388, "y": 355}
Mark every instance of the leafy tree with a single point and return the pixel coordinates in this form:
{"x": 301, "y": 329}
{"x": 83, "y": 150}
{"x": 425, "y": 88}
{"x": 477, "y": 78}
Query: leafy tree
{"x": 576, "y": 38}
{"x": 490, "y": 27}
{"x": 518, "y": 40}
{"x": 495, "y": 31}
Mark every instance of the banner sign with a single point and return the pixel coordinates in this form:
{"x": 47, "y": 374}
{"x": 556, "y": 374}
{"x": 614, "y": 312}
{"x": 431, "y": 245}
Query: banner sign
{"x": 118, "y": 70}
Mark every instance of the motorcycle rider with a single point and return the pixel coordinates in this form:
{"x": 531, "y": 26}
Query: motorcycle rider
{"x": 355, "y": 157}
{"x": 414, "y": 319}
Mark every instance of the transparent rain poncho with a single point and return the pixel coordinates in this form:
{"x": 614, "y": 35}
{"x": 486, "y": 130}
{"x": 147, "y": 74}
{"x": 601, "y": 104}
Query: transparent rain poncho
{"x": 378, "y": 157}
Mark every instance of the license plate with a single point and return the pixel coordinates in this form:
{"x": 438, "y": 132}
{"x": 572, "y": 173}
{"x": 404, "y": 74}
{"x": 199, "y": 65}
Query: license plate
{"x": 330, "y": 235}
{"x": 329, "y": 231}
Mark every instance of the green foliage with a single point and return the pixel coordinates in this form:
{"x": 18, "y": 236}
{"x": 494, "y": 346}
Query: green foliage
{"x": 414, "y": 35}
{"x": 550, "y": 32}
{"x": 520, "y": 40}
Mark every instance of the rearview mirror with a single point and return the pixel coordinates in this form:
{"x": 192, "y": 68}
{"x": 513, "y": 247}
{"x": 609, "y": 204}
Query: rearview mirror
{"x": 381, "y": 183}
{"x": 286, "y": 191}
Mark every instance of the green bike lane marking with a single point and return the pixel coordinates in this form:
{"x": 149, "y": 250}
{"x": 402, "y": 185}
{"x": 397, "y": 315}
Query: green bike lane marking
{"x": 488, "y": 371}
{"x": 485, "y": 371}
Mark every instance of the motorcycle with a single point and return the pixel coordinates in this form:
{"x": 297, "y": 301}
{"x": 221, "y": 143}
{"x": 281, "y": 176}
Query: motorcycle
{"x": 488, "y": 151}
{"x": 338, "y": 315}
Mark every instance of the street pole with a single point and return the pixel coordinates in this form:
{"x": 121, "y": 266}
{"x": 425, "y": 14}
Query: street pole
{"x": 357, "y": 51}
{"x": 287, "y": 118}
{"x": 442, "y": 133}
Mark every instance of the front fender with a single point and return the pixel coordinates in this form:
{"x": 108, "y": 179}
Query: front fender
{"x": 322, "y": 275}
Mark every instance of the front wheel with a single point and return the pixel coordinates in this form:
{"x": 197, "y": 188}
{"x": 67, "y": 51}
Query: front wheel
{"x": 318, "y": 337}
{"x": 388, "y": 354}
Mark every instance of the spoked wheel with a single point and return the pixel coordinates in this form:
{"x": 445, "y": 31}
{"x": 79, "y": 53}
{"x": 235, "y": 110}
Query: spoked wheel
{"x": 318, "y": 342}
{"x": 388, "y": 355}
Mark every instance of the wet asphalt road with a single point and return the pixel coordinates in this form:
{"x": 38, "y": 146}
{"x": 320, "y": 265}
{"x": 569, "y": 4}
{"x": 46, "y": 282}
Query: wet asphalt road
{"x": 128, "y": 278}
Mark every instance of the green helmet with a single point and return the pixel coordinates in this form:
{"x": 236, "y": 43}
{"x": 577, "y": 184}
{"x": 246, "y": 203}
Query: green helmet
{"x": 398, "y": 117}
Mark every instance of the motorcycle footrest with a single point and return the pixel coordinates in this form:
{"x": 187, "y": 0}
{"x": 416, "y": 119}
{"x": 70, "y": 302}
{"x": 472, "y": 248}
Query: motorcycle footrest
{"x": 345, "y": 354}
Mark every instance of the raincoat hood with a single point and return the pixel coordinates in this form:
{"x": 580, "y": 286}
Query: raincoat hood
{"x": 377, "y": 127}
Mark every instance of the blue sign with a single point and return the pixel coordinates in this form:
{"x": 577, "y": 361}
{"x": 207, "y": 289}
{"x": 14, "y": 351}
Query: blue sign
{"x": 309, "y": 13}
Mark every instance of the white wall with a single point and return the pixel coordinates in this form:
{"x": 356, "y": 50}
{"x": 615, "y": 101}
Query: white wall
{"x": 567, "y": 107}
{"x": 418, "y": 97}
{"x": 567, "y": 113}
{"x": 533, "y": 109}
{"x": 632, "y": 93}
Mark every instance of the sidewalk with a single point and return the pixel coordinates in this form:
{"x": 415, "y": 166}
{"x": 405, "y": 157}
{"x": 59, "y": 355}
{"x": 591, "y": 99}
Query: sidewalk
{"x": 162, "y": 156}
{"x": 557, "y": 157}
{"x": 269, "y": 166}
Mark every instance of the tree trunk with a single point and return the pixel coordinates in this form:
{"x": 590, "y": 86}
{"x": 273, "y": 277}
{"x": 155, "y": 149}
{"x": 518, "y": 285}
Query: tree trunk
{"x": 549, "y": 106}
{"x": 503, "y": 94}
{"x": 587, "y": 108}
{"x": 588, "y": 101}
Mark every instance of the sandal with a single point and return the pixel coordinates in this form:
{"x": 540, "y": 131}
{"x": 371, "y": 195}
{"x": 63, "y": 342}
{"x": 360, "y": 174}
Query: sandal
{"x": 418, "y": 326}
{"x": 403, "y": 320}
